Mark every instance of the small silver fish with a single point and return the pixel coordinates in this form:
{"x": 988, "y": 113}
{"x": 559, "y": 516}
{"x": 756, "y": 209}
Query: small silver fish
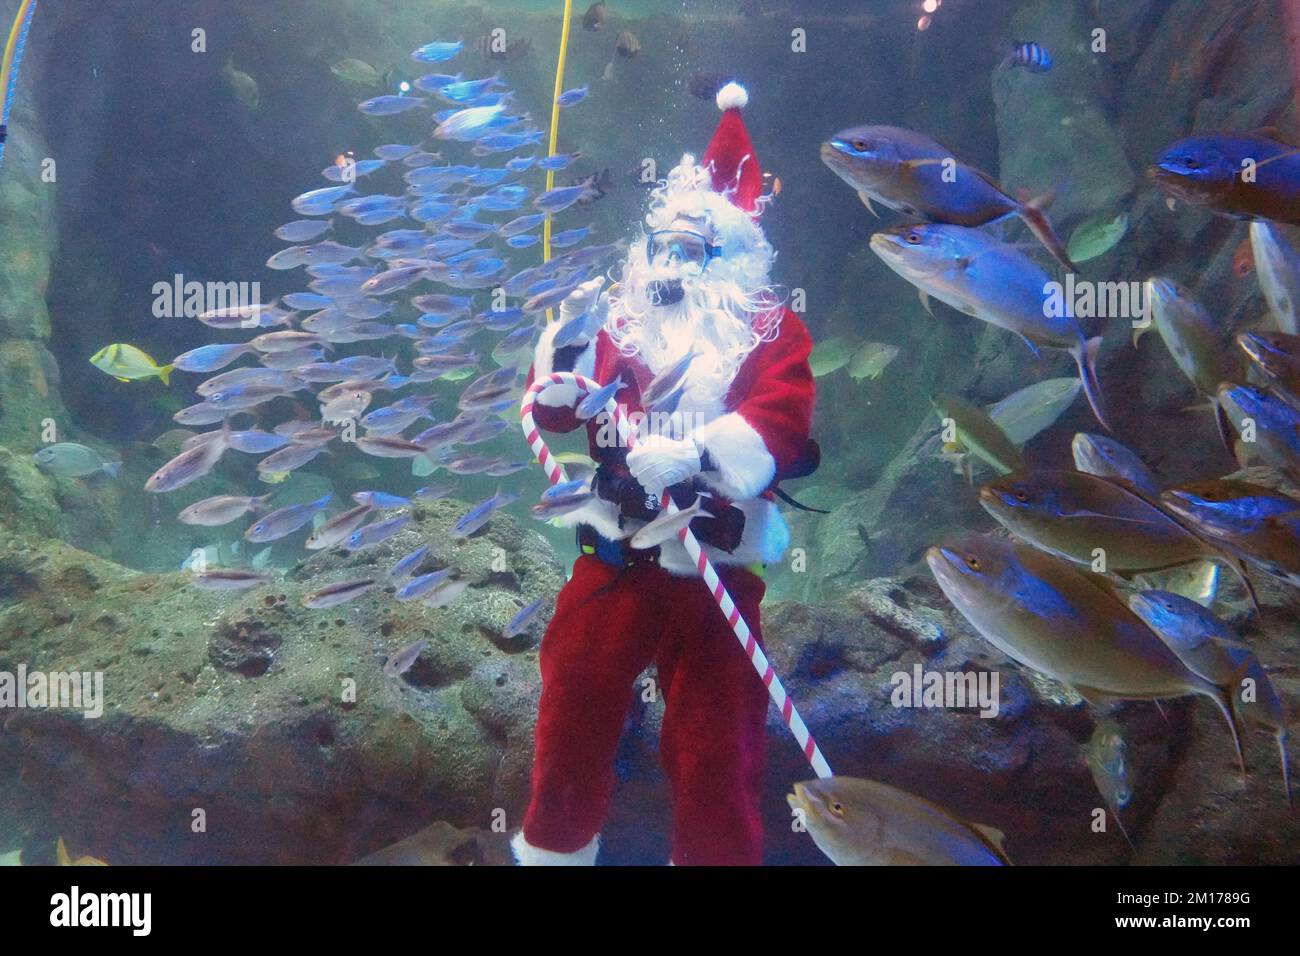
{"x": 667, "y": 381}
{"x": 190, "y": 465}
{"x": 228, "y": 579}
{"x": 406, "y": 565}
{"x": 341, "y": 592}
{"x": 446, "y": 592}
{"x": 521, "y": 621}
{"x": 374, "y": 534}
{"x": 595, "y": 402}
{"x": 285, "y": 521}
{"x": 401, "y": 661}
{"x": 668, "y": 525}
{"x": 418, "y": 587}
{"x": 338, "y": 529}
{"x": 222, "y": 509}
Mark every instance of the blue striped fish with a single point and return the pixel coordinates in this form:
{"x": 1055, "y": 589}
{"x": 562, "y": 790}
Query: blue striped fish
{"x": 1032, "y": 56}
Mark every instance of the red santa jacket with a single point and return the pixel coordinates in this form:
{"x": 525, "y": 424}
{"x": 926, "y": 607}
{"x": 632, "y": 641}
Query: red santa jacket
{"x": 757, "y": 435}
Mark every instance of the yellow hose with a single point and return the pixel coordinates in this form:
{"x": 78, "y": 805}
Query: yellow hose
{"x": 7, "y": 65}
{"x": 555, "y": 129}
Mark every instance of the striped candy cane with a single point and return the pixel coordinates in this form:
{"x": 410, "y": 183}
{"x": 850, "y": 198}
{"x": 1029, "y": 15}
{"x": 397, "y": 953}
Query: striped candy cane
{"x": 555, "y": 475}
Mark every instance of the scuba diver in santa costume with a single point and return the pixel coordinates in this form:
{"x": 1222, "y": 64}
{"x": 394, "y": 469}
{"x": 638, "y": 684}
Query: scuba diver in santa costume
{"x": 698, "y": 281}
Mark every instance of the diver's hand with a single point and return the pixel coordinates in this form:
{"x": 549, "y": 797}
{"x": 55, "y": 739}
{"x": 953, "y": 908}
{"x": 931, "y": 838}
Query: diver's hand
{"x": 659, "y": 462}
{"x": 587, "y": 299}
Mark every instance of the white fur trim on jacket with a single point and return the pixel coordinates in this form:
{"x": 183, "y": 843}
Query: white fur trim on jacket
{"x": 528, "y": 855}
{"x": 733, "y": 96}
{"x": 744, "y": 465}
{"x": 565, "y": 396}
{"x": 764, "y": 540}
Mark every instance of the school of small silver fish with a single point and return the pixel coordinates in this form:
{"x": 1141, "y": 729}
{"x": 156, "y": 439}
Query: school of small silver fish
{"x": 384, "y": 316}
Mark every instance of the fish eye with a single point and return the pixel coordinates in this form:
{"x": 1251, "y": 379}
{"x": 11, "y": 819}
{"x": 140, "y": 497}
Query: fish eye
{"x": 837, "y": 808}
{"x": 861, "y": 145}
{"x": 1022, "y": 496}
{"x": 973, "y": 563}
{"x": 914, "y": 238}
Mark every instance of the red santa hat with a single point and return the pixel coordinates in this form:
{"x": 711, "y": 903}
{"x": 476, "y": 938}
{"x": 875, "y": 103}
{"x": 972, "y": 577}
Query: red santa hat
{"x": 730, "y": 158}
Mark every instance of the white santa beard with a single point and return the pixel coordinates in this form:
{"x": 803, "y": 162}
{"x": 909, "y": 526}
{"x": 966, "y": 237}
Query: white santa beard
{"x": 711, "y": 319}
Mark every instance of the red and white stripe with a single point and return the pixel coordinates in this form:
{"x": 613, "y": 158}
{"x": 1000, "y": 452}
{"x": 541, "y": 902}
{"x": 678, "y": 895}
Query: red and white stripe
{"x": 555, "y": 475}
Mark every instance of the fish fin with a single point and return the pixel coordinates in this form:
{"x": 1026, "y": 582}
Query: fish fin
{"x": 925, "y": 301}
{"x": 1288, "y": 154}
{"x": 968, "y": 470}
{"x": 121, "y": 379}
{"x": 911, "y": 164}
{"x": 165, "y": 373}
{"x": 1286, "y": 764}
{"x": 899, "y": 857}
{"x": 992, "y": 834}
{"x": 1085, "y": 356}
{"x": 112, "y": 468}
{"x": 1093, "y": 696}
{"x": 1243, "y": 575}
{"x": 866, "y": 201}
{"x": 1161, "y": 711}
{"x": 1119, "y": 821}
{"x": 1031, "y": 346}
{"x": 1224, "y": 702}
{"x": 61, "y": 855}
{"x": 1036, "y": 219}
{"x": 1227, "y": 434}
{"x": 1269, "y": 132}
{"x": 1241, "y": 453}
{"x": 1139, "y": 331}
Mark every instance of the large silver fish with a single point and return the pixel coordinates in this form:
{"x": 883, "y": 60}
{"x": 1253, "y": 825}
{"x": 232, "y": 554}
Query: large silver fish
{"x": 912, "y": 174}
{"x": 1063, "y": 622}
{"x": 858, "y": 822}
{"x": 994, "y": 282}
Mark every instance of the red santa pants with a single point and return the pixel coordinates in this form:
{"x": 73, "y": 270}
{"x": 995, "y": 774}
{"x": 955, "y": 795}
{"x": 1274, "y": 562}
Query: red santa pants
{"x": 610, "y": 623}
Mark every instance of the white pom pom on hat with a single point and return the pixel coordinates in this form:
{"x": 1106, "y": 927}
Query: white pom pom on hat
{"x": 733, "y": 96}
{"x": 730, "y": 158}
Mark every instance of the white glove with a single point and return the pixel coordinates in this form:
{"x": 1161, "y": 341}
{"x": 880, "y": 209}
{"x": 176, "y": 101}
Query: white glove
{"x": 587, "y": 300}
{"x": 659, "y": 462}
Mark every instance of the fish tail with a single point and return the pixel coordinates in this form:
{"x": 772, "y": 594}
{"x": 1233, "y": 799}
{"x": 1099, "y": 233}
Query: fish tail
{"x": 113, "y": 468}
{"x": 1243, "y": 575}
{"x": 1122, "y": 829}
{"x": 165, "y": 373}
{"x": 1085, "y": 356}
{"x": 1224, "y": 701}
{"x": 1036, "y": 219}
{"x": 1286, "y": 764}
{"x": 1227, "y": 434}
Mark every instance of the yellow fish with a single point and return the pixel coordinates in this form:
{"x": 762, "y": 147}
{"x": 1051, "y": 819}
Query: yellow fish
{"x": 573, "y": 458}
{"x": 65, "y": 859}
{"x": 126, "y": 363}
